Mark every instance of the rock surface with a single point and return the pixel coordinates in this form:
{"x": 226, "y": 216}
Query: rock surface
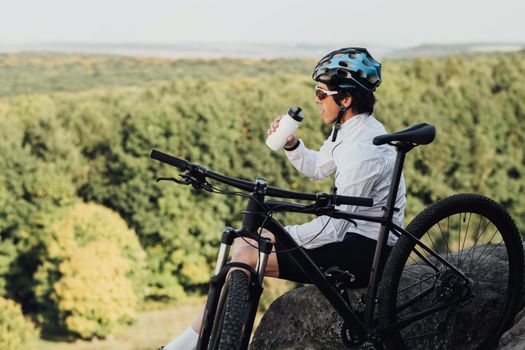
{"x": 303, "y": 319}
{"x": 300, "y": 319}
{"x": 514, "y": 338}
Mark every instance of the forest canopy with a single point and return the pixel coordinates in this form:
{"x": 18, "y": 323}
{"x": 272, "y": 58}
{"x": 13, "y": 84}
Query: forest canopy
{"x": 79, "y": 128}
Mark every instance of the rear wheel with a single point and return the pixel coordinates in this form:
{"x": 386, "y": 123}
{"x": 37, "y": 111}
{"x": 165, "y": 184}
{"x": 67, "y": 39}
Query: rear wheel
{"x": 475, "y": 235}
{"x": 231, "y": 313}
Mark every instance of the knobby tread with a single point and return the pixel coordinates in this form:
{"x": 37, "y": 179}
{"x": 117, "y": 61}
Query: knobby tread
{"x": 235, "y": 310}
{"x": 462, "y": 202}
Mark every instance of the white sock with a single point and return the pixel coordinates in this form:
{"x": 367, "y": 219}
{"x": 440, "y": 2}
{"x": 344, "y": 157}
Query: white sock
{"x": 186, "y": 341}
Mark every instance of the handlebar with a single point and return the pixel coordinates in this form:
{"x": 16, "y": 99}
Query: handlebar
{"x": 184, "y": 165}
{"x": 170, "y": 160}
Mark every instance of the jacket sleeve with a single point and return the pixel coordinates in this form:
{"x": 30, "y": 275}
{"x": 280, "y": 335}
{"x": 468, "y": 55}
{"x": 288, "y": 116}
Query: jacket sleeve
{"x": 317, "y": 165}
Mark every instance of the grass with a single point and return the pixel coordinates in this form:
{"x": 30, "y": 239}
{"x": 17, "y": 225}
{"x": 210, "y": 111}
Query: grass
{"x": 153, "y": 329}
{"x": 158, "y": 327}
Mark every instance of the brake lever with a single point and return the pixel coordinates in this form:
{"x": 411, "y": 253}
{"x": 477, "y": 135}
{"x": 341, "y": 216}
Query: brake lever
{"x": 186, "y": 181}
{"x": 189, "y": 180}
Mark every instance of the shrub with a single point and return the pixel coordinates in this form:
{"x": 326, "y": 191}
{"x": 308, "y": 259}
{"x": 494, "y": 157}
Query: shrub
{"x": 90, "y": 281}
{"x": 94, "y": 298}
{"x": 16, "y": 332}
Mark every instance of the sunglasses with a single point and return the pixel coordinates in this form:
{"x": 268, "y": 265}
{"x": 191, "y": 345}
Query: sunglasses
{"x": 322, "y": 93}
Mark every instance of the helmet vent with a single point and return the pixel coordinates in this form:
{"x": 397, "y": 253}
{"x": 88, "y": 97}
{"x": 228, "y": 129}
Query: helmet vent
{"x": 372, "y": 78}
{"x": 323, "y": 61}
{"x": 343, "y": 64}
{"x": 343, "y": 73}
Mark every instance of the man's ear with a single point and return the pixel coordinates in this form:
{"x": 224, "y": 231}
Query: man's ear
{"x": 347, "y": 101}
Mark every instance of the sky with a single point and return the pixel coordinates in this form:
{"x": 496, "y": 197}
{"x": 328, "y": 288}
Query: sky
{"x": 396, "y": 23}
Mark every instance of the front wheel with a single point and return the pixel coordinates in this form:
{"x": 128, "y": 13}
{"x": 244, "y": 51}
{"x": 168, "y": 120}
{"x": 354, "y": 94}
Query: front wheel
{"x": 231, "y": 313}
{"x": 476, "y": 236}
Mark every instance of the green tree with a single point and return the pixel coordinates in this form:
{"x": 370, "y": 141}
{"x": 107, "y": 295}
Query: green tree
{"x": 91, "y": 280}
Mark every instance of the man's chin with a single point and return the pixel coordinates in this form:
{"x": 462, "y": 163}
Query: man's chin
{"x": 327, "y": 121}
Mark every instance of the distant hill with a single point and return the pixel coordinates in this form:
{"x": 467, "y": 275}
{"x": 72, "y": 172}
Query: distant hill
{"x": 253, "y": 50}
{"x": 451, "y": 49}
{"x": 68, "y": 70}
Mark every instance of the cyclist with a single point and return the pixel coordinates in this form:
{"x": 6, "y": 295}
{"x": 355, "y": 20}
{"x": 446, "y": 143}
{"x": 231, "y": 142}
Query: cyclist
{"x": 347, "y": 79}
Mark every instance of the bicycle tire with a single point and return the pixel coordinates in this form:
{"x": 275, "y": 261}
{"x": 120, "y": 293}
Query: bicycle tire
{"x": 231, "y": 311}
{"x": 405, "y": 275}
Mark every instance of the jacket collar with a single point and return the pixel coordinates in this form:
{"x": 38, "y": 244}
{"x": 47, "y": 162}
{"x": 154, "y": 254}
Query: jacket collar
{"x": 353, "y": 122}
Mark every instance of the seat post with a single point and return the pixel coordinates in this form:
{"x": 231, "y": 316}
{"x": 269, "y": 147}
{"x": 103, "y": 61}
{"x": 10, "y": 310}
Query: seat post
{"x": 377, "y": 265}
{"x": 401, "y": 148}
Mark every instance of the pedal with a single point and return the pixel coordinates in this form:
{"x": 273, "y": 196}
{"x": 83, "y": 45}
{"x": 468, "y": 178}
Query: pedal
{"x": 339, "y": 275}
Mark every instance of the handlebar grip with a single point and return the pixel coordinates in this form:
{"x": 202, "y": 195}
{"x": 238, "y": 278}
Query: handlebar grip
{"x": 168, "y": 159}
{"x": 358, "y": 201}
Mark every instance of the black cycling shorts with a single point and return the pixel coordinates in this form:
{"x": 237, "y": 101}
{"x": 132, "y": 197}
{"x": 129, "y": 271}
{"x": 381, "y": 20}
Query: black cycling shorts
{"x": 354, "y": 254}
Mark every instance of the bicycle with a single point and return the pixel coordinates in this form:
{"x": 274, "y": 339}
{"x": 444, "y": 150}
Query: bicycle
{"x": 432, "y": 277}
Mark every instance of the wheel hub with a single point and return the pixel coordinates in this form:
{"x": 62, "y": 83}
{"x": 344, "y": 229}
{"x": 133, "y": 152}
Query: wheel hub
{"x": 449, "y": 286}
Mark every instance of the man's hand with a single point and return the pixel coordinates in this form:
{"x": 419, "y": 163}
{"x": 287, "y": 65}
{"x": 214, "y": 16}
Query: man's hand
{"x": 291, "y": 140}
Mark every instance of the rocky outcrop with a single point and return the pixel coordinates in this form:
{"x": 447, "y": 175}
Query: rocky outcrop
{"x": 300, "y": 319}
{"x": 514, "y": 338}
{"x": 303, "y": 318}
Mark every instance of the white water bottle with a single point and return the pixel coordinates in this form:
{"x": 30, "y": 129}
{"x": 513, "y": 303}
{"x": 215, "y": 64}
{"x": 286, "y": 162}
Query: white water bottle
{"x": 287, "y": 126}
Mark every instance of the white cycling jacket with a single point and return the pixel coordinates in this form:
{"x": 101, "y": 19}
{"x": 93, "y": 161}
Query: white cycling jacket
{"x": 361, "y": 169}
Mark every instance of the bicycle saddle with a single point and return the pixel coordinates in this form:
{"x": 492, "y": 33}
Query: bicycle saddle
{"x": 419, "y": 134}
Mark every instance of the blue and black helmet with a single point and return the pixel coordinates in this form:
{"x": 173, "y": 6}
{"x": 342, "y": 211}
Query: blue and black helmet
{"x": 349, "y": 67}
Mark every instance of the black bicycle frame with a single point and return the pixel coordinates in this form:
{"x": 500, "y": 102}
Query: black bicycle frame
{"x": 312, "y": 271}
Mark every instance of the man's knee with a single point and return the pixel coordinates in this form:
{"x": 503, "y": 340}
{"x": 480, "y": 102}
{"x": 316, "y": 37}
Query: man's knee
{"x": 245, "y": 253}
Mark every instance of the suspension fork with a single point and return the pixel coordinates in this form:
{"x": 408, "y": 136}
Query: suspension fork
{"x": 256, "y": 289}
{"x": 228, "y": 235}
{"x": 219, "y": 277}
{"x": 216, "y": 283}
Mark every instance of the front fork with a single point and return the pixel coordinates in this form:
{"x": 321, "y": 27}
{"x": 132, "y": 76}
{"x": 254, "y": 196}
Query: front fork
{"x": 217, "y": 281}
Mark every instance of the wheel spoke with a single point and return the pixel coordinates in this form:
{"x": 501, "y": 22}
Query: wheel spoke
{"x": 413, "y": 285}
{"x": 477, "y": 265}
{"x": 444, "y": 238}
{"x": 418, "y": 263}
{"x": 464, "y": 239}
{"x": 478, "y": 236}
{"x": 459, "y": 241}
{"x": 427, "y": 234}
{"x": 488, "y": 244}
